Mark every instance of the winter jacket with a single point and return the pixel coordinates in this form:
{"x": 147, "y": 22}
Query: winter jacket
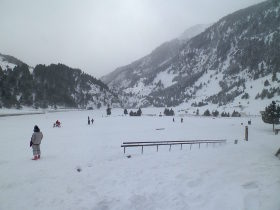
{"x": 37, "y": 138}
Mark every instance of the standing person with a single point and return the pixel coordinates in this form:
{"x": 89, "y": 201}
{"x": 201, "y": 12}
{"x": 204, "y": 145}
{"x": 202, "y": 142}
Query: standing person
{"x": 181, "y": 120}
{"x": 92, "y": 120}
{"x": 88, "y": 120}
{"x": 35, "y": 142}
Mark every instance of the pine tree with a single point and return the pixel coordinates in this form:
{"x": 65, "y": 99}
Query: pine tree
{"x": 266, "y": 83}
{"x": 171, "y": 112}
{"x": 271, "y": 115}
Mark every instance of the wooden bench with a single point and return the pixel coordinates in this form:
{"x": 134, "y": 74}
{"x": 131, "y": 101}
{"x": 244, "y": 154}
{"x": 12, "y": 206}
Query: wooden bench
{"x": 143, "y": 144}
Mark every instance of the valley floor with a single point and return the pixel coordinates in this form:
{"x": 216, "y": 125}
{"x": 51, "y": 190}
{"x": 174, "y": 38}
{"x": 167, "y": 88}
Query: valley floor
{"x": 243, "y": 176}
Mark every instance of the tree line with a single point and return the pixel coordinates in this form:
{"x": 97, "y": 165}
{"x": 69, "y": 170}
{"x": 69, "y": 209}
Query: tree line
{"x": 53, "y": 85}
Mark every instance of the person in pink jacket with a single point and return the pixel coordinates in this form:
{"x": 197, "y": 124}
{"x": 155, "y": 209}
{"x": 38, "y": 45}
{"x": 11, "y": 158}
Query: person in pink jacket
{"x": 35, "y": 142}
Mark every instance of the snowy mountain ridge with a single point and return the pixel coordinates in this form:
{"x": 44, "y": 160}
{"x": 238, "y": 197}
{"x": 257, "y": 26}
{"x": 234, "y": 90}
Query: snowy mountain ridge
{"x": 156, "y": 59}
{"x": 7, "y": 61}
{"x": 234, "y": 62}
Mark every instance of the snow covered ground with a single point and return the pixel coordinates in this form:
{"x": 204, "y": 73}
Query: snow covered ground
{"x": 243, "y": 176}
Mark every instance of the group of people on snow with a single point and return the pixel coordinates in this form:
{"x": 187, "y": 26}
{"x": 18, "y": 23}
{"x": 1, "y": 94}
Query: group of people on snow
{"x": 92, "y": 120}
{"x": 37, "y": 137}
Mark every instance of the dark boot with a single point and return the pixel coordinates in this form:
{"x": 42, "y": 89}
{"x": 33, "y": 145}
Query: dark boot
{"x": 35, "y": 157}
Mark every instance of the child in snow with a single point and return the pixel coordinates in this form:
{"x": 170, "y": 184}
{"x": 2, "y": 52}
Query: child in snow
{"x": 56, "y": 124}
{"x": 35, "y": 142}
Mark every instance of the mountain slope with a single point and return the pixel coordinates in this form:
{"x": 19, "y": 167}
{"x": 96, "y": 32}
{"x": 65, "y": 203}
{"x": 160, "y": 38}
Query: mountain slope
{"x": 226, "y": 64}
{"x": 53, "y": 85}
{"x": 150, "y": 63}
{"x": 7, "y": 61}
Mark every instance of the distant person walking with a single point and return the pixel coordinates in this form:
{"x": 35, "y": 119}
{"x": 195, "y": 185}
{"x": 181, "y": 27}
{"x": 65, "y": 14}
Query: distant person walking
{"x": 181, "y": 120}
{"x": 92, "y": 120}
{"x": 35, "y": 142}
{"x": 88, "y": 120}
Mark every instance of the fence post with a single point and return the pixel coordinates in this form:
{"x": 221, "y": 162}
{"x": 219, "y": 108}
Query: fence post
{"x": 124, "y": 150}
{"x": 142, "y": 149}
{"x": 157, "y": 147}
{"x": 246, "y": 133}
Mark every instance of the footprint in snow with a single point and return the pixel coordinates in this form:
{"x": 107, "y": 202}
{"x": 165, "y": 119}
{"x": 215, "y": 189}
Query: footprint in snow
{"x": 195, "y": 183}
{"x": 251, "y": 202}
{"x": 78, "y": 168}
{"x": 250, "y": 185}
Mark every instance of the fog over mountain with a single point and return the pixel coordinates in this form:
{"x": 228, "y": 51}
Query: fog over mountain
{"x": 99, "y": 36}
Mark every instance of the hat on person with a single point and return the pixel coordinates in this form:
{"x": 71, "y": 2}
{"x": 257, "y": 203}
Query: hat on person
{"x": 36, "y": 128}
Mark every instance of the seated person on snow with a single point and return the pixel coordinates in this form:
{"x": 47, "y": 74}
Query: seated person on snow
{"x": 56, "y": 124}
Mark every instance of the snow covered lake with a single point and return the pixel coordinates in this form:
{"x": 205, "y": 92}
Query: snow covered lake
{"x": 243, "y": 176}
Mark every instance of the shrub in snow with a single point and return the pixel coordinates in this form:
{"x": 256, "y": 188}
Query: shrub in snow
{"x": 131, "y": 113}
{"x": 245, "y": 96}
{"x": 201, "y": 103}
{"x": 168, "y": 112}
{"x": 224, "y": 114}
{"x": 235, "y": 114}
{"x": 274, "y": 76}
{"x": 138, "y": 113}
{"x": 207, "y": 113}
{"x": 215, "y": 113}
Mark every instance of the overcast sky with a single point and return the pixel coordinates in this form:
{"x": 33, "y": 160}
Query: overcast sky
{"x": 98, "y": 36}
